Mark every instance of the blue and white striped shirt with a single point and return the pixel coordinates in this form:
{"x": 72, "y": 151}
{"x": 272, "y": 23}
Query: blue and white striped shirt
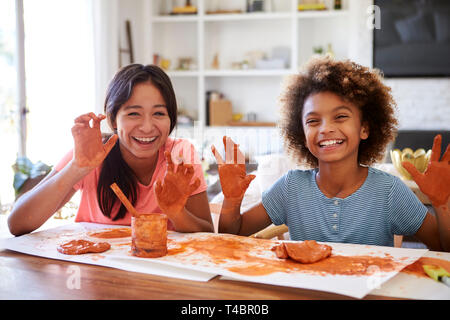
{"x": 381, "y": 207}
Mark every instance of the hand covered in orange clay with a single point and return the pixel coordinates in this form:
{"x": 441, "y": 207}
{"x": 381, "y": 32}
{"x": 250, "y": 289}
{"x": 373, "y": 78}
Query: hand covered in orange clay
{"x": 174, "y": 191}
{"x": 435, "y": 181}
{"x": 89, "y": 150}
{"x": 233, "y": 178}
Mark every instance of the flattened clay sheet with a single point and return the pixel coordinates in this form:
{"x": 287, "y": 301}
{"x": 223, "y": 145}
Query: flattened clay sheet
{"x": 352, "y": 270}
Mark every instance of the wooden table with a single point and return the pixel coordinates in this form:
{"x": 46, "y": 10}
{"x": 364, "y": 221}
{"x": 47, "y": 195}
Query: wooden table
{"x": 31, "y": 277}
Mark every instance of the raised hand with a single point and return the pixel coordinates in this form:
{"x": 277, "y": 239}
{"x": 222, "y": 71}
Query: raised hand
{"x": 233, "y": 178}
{"x": 435, "y": 181}
{"x": 176, "y": 188}
{"x": 89, "y": 150}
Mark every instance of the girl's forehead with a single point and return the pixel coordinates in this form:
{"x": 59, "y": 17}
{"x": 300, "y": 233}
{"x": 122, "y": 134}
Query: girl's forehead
{"x": 145, "y": 95}
{"x": 145, "y": 89}
{"x": 326, "y": 102}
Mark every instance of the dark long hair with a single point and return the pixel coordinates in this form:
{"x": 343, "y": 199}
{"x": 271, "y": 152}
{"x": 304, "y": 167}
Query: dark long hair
{"x": 114, "y": 168}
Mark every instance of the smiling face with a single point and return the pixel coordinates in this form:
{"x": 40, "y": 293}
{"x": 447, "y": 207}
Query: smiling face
{"x": 142, "y": 123}
{"x": 333, "y": 127}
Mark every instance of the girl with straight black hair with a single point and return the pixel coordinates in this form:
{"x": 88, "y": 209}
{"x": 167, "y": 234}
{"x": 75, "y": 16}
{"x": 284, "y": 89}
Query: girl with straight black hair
{"x": 156, "y": 173}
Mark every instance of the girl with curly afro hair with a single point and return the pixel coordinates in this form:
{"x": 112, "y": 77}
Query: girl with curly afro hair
{"x": 350, "y": 82}
{"x": 338, "y": 117}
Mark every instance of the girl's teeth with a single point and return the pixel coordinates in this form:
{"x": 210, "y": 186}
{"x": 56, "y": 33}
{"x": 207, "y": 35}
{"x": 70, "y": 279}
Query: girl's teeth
{"x": 330, "y": 142}
{"x": 145, "y": 139}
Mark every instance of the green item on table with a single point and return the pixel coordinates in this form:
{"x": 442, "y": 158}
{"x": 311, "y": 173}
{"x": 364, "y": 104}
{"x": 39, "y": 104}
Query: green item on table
{"x": 437, "y": 273}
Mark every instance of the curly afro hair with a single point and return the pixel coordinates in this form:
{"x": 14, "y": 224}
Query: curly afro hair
{"x": 354, "y": 83}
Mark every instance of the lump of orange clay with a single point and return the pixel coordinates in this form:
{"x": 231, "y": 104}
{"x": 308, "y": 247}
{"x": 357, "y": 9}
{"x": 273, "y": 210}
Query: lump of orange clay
{"x": 83, "y": 246}
{"x": 308, "y": 251}
{"x": 280, "y": 251}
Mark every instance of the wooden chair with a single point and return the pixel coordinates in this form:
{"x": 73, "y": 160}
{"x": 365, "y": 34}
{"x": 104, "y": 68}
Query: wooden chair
{"x": 271, "y": 232}
{"x": 215, "y": 215}
{"x": 398, "y": 240}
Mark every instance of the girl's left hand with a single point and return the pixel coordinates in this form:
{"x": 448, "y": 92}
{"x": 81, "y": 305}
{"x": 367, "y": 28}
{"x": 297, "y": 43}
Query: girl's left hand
{"x": 174, "y": 191}
{"x": 89, "y": 150}
{"x": 435, "y": 181}
{"x": 233, "y": 178}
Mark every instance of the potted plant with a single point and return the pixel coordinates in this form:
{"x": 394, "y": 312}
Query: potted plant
{"x": 28, "y": 174}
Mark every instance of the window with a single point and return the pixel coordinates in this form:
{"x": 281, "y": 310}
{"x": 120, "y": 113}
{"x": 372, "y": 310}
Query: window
{"x": 8, "y": 122}
{"x": 60, "y": 80}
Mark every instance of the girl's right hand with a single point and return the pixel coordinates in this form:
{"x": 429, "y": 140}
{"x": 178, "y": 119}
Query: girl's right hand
{"x": 435, "y": 181}
{"x": 89, "y": 150}
{"x": 233, "y": 178}
{"x": 176, "y": 188}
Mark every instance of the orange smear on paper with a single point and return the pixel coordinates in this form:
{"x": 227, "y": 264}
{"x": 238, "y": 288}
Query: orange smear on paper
{"x": 221, "y": 250}
{"x": 112, "y": 233}
{"x": 123, "y": 244}
{"x": 416, "y": 268}
{"x": 335, "y": 265}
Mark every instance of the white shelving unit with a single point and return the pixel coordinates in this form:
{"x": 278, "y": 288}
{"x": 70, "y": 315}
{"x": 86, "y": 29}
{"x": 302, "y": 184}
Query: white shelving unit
{"x": 232, "y": 36}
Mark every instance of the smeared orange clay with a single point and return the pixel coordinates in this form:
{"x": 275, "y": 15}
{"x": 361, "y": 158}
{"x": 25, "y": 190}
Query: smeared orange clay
{"x": 416, "y": 268}
{"x": 233, "y": 178}
{"x": 112, "y": 233}
{"x": 222, "y": 249}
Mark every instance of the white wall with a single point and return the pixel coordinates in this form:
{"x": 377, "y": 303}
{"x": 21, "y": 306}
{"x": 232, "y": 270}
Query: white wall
{"x": 133, "y": 10}
{"x": 423, "y": 103}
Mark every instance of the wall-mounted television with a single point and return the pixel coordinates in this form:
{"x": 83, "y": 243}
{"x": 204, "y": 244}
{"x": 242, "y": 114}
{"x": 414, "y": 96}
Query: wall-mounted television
{"x": 413, "y": 39}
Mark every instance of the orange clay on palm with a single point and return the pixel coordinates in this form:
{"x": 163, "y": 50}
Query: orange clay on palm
{"x": 233, "y": 178}
{"x": 438, "y": 192}
{"x": 228, "y": 174}
{"x": 435, "y": 182}
{"x": 89, "y": 151}
{"x": 175, "y": 189}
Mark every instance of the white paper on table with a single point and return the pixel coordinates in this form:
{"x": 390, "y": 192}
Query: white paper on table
{"x": 195, "y": 265}
{"x": 356, "y": 286}
{"x": 44, "y": 243}
{"x": 406, "y": 285}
